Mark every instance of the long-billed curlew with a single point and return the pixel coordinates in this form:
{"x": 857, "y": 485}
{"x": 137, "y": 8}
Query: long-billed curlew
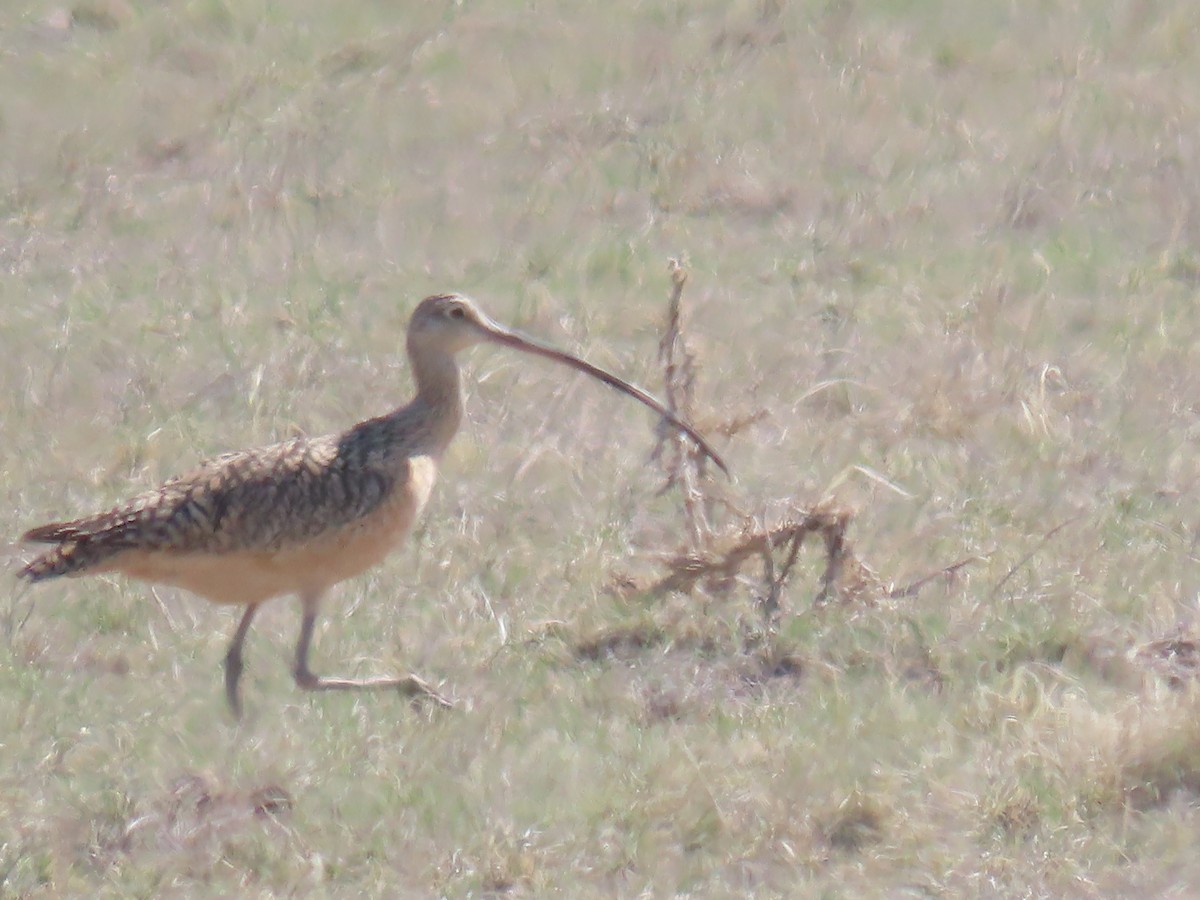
{"x": 300, "y": 516}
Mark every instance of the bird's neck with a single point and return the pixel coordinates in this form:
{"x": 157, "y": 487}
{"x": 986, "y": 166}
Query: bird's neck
{"x": 439, "y": 401}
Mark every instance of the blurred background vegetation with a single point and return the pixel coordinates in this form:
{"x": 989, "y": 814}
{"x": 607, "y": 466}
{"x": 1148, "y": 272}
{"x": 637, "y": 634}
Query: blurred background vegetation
{"x": 953, "y": 244}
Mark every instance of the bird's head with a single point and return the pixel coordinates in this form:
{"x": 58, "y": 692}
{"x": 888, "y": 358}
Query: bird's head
{"x": 449, "y": 323}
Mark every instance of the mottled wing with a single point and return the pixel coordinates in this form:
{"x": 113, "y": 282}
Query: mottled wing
{"x": 263, "y": 499}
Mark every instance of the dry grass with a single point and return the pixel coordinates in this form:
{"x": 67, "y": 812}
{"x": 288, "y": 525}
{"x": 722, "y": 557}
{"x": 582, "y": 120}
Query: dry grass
{"x": 940, "y": 304}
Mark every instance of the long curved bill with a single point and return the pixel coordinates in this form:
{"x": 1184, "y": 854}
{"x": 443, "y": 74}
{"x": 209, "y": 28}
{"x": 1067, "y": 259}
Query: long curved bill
{"x": 497, "y": 333}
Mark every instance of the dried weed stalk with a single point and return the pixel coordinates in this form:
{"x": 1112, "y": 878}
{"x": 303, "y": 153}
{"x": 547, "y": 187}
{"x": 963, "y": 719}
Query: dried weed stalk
{"x": 683, "y": 466}
{"x": 715, "y": 561}
{"x": 719, "y": 567}
{"x": 760, "y": 554}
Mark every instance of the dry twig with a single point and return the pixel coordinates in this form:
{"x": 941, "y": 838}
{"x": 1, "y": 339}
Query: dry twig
{"x": 684, "y": 469}
{"x": 719, "y": 568}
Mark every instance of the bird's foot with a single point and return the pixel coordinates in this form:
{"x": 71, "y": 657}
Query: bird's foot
{"x": 410, "y": 685}
{"x": 419, "y": 689}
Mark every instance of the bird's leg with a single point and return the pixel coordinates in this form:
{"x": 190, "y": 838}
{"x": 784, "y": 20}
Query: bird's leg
{"x": 410, "y": 685}
{"x": 233, "y": 661}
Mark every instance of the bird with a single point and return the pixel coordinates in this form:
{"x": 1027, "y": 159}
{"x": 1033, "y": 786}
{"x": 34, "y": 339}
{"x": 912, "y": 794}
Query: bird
{"x": 299, "y": 516}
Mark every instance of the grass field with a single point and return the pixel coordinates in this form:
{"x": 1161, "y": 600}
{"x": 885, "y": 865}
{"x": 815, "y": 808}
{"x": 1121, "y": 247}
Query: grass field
{"x": 945, "y": 255}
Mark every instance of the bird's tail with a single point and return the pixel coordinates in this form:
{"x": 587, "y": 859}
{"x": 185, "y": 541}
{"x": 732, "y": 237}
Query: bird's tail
{"x": 76, "y": 550}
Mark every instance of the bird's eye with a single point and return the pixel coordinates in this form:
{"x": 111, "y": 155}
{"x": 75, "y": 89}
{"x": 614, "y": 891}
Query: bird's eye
{"x": 457, "y": 312}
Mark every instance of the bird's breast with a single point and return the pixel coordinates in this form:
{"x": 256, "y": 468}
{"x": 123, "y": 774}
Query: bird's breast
{"x": 364, "y": 543}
